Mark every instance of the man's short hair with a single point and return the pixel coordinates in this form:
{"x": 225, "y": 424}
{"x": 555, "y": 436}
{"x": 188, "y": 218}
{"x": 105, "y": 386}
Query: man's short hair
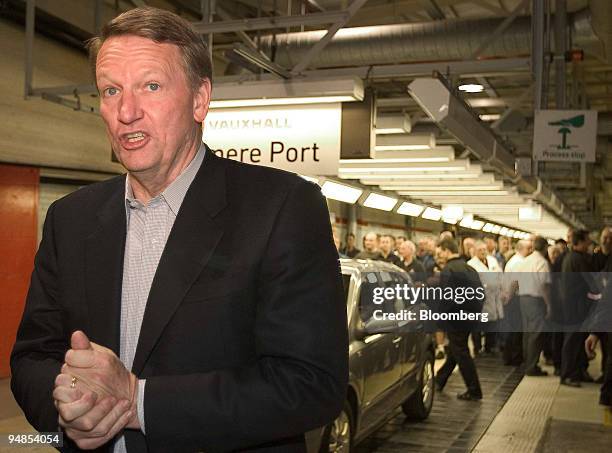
{"x": 578, "y": 236}
{"x": 560, "y": 241}
{"x": 448, "y": 244}
{"x": 540, "y": 244}
{"x": 447, "y": 233}
{"x": 160, "y": 26}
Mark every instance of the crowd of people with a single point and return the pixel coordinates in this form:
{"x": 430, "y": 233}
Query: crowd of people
{"x": 545, "y": 303}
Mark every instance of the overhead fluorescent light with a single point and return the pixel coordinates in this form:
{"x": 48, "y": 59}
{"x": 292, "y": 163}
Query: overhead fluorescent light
{"x": 393, "y": 124}
{"x": 496, "y": 229}
{"x": 503, "y": 231}
{"x": 472, "y": 173}
{"x": 533, "y": 213}
{"x": 467, "y": 220}
{"x": 477, "y": 225}
{"x": 365, "y": 166}
{"x": 487, "y": 228}
{"x": 438, "y": 154}
{"x": 403, "y": 142}
{"x": 517, "y": 234}
{"x": 410, "y": 209}
{"x": 286, "y": 92}
{"x": 432, "y": 214}
{"x": 471, "y": 88}
{"x": 471, "y": 193}
{"x": 452, "y": 212}
{"x": 510, "y": 233}
{"x": 378, "y": 201}
{"x": 341, "y": 192}
{"x": 278, "y": 101}
{"x": 489, "y": 116}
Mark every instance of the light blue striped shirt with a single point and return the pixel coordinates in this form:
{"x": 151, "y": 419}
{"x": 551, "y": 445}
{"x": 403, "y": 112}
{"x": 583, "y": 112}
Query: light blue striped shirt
{"x": 148, "y": 228}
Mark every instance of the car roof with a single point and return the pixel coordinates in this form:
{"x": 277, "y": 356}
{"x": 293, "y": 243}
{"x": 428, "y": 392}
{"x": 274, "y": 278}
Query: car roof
{"x": 368, "y": 265}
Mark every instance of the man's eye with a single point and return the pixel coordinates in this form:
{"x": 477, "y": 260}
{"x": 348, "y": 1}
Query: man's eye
{"x": 153, "y": 86}
{"x": 111, "y": 91}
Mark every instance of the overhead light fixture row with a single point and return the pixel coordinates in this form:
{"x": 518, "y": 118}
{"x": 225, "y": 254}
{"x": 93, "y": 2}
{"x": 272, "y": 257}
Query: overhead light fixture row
{"x": 411, "y": 209}
{"x": 432, "y": 214}
{"x": 403, "y": 142}
{"x": 378, "y": 201}
{"x": 341, "y": 192}
{"x": 286, "y": 92}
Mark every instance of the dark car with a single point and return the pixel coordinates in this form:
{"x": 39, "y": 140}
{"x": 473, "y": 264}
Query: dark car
{"x": 391, "y": 363}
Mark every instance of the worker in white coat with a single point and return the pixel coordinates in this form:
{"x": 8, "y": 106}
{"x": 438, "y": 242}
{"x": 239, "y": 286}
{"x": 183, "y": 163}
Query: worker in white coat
{"x": 490, "y": 274}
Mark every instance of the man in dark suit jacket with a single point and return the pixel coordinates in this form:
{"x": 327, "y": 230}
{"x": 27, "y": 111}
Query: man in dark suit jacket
{"x": 240, "y": 349}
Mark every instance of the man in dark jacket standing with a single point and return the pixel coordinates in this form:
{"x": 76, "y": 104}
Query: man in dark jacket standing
{"x": 148, "y": 327}
{"x": 456, "y": 274}
{"x": 579, "y": 291}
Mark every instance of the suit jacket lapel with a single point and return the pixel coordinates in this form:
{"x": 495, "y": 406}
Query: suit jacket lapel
{"x": 191, "y": 243}
{"x": 104, "y": 250}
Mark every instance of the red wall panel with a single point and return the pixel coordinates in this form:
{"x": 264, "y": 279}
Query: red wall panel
{"x": 18, "y": 241}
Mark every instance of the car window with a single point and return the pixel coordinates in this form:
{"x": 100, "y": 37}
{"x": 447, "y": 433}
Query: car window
{"x": 371, "y": 294}
{"x": 346, "y": 283}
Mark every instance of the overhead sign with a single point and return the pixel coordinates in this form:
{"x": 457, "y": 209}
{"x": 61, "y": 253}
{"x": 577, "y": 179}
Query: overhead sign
{"x": 565, "y": 135}
{"x": 303, "y": 139}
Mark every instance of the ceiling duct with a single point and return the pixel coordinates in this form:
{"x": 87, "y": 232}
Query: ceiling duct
{"x": 431, "y": 41}
{"x": 454, "y": 116}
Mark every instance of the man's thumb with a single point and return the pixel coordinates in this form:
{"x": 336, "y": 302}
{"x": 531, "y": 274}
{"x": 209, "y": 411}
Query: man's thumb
{"x": 80, "y": 341}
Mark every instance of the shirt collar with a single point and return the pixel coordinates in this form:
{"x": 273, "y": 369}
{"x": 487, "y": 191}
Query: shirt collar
{"x": 175, "y": 193}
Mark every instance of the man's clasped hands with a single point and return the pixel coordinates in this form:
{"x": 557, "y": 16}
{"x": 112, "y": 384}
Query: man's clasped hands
{"x": 95, "y": 395}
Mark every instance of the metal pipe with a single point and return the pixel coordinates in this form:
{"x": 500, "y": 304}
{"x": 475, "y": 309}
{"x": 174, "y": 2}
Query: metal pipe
{"x": 537, "y": 52}
{"x": 560, "y": 49}
{"x": 29, "y": 46}
{"x": 448, "y": 40}
{"x": 263, "y": 23}
{"x": 98, "y": 10}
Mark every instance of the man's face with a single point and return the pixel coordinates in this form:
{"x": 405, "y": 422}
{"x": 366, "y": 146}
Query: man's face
{"x": 553, "y": 253}
{"x": 481, "y": 251}
{"x": 398, "y": 242}
{"x": 370, "y": 242}
{"x": 422, "y": 248}
{"x": 583, "y": 246}
{"x": 385, "y": 244}
{"x": 468, "y": 246}
{"x": 151, "y": 113}
{"x": 441, "y": 257}
{"x": 504, "y": 245}
{"x": 350, "y": 241}
{"x": 405, "y": 250}
{"x": 491, "y": 245}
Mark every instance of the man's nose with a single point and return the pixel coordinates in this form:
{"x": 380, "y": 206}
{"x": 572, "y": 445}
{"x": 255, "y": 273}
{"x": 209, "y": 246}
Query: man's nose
{"x": 130, "y": 108}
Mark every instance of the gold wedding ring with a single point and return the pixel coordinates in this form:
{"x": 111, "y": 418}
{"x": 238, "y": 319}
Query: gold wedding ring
{"x": 73, "y": 382}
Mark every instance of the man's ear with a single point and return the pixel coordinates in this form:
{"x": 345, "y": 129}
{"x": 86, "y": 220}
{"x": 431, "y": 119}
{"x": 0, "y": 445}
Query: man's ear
{"x": 201, "y": 101}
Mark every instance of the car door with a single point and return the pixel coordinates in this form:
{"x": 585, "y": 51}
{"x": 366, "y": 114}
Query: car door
{"x": 380, "y": 355}
{"x": 411, "y": 331}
